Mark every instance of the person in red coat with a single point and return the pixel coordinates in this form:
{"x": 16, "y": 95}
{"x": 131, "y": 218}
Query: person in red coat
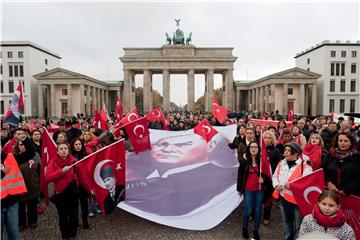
{"x": 66, "y": 194}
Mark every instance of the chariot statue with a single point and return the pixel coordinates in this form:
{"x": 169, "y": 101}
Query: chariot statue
{"x": 178, "y": 36}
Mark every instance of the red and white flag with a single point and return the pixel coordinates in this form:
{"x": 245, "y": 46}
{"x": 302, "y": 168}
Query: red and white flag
{"x": 219, "y": 111}
{"x": 156, "y": 115}
{"x": 166, "y": 122}
{"x": 307, "y": 189}
{"x": 9, "y": 145}
{"x": 48, "y": 150}
{"x": 313, "y": 153}
{"x": 53, "y": 128}
{"x": 131, "y": 116}
{"x": 350, "y": 205}
{"x": 12, "y": 116}
{"x": 99, "y": 121}
{"x": 104, "y": 117}
{"x": 291, "y": 114}
{"x": 205, "y": 130}
{"x": 103, "y": 174}
{"x": 139, "y": 135}
{"x": 118, "y": 109}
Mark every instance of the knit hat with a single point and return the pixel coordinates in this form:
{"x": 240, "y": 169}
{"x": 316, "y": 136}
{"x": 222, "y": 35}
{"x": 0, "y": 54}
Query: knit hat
{"x": 295, "y": 146}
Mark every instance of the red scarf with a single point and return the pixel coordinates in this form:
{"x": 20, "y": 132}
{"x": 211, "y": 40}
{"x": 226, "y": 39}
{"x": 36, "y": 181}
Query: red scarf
{"x": 329, "y": 221}
{"x": 65, "y": 162}
{"x": 314, "y": 152}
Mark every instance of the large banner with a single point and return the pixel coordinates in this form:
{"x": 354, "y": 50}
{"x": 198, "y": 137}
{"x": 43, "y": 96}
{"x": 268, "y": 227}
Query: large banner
{"x": 183, "y": 181}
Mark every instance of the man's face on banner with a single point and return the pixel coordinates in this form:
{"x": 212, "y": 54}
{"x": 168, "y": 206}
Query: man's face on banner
{"x": 110, "y": 184}
{"x": 184, "y": 148}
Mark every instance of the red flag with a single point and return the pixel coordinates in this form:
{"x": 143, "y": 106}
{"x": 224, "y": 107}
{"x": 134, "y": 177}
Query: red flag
{"x": 104, "y": 117}
{"x": 312, "y": 152}
{"x": 48, "y": 150}
{"x": 263, "y": 116}
{"x": 291, "y": 114}
{"x": 332, "y": 117}
{"x": 263, "y": 123}
{"x": 265, "y": 167}
{"x": 138, "y": 133}
{"x": 131, "y": 116}
{"x": 118, "y": 109}
{"x": 156, "y": 115}
{"x": 166, "y": 122}
{"x": 100, "y": 122}
{"x": 205, "y": 130}
{"x": 8, "y": 146}
{"x": 219, "y": 111}
{"x": 350, "y": 205}
{"x": 53, "y": 128}
{"x": 103, "y": 173}
{"x": 307, "y": 189}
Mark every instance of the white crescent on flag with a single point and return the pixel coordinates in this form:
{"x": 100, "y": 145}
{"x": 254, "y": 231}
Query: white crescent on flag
{"x": 309, "y": 190}
{"x": 97, "y": 177}
{"x": 132, "y": 114}
{"x": 139, "y": 126}
{"x": 158, "y": 113}
{"x": 206, "y": 128}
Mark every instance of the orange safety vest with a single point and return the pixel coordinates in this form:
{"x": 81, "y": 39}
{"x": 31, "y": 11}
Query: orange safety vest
{"x": 295, "y": 175}
{"x": 13, "y": 182}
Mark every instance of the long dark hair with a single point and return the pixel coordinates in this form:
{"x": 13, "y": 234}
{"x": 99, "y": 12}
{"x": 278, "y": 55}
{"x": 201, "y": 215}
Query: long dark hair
{"x": 248, "y": 154}
{"x": 348, "y": 135}
{"x": 78, "y": 154}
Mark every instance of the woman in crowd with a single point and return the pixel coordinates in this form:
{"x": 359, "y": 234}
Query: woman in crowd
{"x": 327, "y": 217}
{"x": 249, "y": 137}
{"x": 258, "y": 129}
{"x": 298, "y": 136}
{"x": 61, "y": 138}
{"x": 36, "y": 140}
{"x": 281, "y": 126}
{"x": 288, "y": 170}
{"x": 239, "y": 138}
{"x": 90, "y": 141}
{"x": 285, "y": 137}
{"x": 342, "y": 166}
{"x": 31, "y": 171}
{"x": 66, "y": 197}
{"x": 249, "y": 183}
{"x": 274, "y": 156}
{"x": 313, "y": 151}
{"x": 77, "y": 149}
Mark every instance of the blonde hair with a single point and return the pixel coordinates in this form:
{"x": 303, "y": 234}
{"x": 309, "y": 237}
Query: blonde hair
{"x": 321, "y": 143}
{"x": 272, "y": 135}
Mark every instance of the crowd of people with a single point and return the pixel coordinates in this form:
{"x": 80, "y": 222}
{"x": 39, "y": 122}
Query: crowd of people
{"x": 336, "y": 144}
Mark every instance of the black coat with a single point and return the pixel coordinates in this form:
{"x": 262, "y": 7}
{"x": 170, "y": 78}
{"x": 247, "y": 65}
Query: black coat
{"x": 328, "y": 138}
{"x": 274, "y": 156}
{"x": 109, "y": 203}
{"x": 237, "y": 140}
{"x": 346, "y": 175}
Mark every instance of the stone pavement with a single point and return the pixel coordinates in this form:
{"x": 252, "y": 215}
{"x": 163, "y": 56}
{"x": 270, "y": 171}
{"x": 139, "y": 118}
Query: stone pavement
{"x": 123, "y": 225}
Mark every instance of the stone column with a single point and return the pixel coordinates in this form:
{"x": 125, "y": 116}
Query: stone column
{"x": 272, "y": 89}
{"x": 146, "y": 91}
{"x": 127, "y": 90}
{"x": 166, "y": 89}
{"x": 98, "y": 99}
{"x": 190, "y": 90}
{"x": 313, "y": 100}
{"x": 69, "y": 99}
{"x": 285, "y": 100}
{"x": 48, "y": 101}
{"x": 88, "y": 102}
{"x": 106, "y": 92}
{"x": 302, "y": 97}
{"x": 82, "y": 98}
{"x": 53, "y": 100}
{"x": 102, "y": 97}
{"x": 94, "y": 98}
{"x": 253, "y": 101}
{"x": 40, "y": 100}
{"x": 261, "y": 101}
{"x": 257, "y": 99}
{"x": 209, "y": 89}
{"x": 238, "y": 100}
{"x": 229, "y": 90}
{"x": 267, "y": 100}
{"x": 248, "y": 100}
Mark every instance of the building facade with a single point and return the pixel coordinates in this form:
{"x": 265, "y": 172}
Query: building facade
{"x": 20, "y": 60}
{"x": 338, "y": 63}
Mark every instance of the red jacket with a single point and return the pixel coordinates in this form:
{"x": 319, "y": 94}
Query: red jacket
{"x": 54, "y": 174}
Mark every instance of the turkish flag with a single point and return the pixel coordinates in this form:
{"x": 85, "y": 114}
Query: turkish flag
{"x": 139, "y": 135}
{"x": 307, "y": 189}
{"x": 53, "y": 128}
{"x": 100, "y": 120}
{"x": 104, "y": 117}
{"x": 166, "y": 122}
{"x": 118, "y": 109}
{"x": 219, "y": 111}
{"x": 264, "y": 123}
{"x": 291, "y": 114}
{"x": 313, "y": 152}
{"x": 205, "y": 130}
{"x": 156, "y": 115}
{"x": 48, "y": 150}
{"x": 131, "y": 116}
{"x": 103, "y": 174}
{"x": 350, "y": 205}
{"x": 9, "y": 145}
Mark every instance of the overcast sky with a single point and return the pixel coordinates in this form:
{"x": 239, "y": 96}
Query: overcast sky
{"x": 90, "y": 37}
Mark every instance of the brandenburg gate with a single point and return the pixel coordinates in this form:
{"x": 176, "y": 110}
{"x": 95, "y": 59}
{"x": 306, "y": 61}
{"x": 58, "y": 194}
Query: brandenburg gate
{"x": 178, "y": 56}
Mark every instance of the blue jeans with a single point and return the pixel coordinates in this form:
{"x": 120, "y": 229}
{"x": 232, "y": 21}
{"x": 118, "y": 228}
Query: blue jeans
{"x": 10, "y": 219}
{"x": 291, "y": 219}
{"x": 253, "y": 201}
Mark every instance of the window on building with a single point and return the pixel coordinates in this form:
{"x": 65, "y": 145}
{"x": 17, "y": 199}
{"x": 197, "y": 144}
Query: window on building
{"x": 342, "y": 86}
{"x": 64, "y": 91}
{"x": 331, "y": 105}
{"x": 64, "y": 108}
{"x": 0, "y": 54}
{"x": 85, "y": 92}
{"x": 21, "y": 54}
{"x": 46, "y": 61}
{"x": 352, "y": 105}
{"x": 343, "y": 53}
{"x": 353, "y": 85}
{"x": 1, "y": 86}
{"x": 308, "y": 61}
{"x": 11, "y": 86}
{"x": 21, "y": 69}
{"x": 23, "y": 85}
{"x": 2, "y": 107}
{"x": 353, "y": 53}
{"x": 342, "y": 105}
{"x": 16, "y": 71}
{"x": 11, "y": 73}
{"x": 46, "y": 69}
{"x": 353, "y": 68}
{"x": 342, "y": 69}
{"x": 308, "y": 69}
{"x": 9, "y": 54}
{"x": 1, "y": 69}
{"x": 333, "y": 54}
{"x": 290, "y": 91}
{"x": 332, "y": 69}
{"x": 332, "y": 85}
{"x": 337, "y": 69}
